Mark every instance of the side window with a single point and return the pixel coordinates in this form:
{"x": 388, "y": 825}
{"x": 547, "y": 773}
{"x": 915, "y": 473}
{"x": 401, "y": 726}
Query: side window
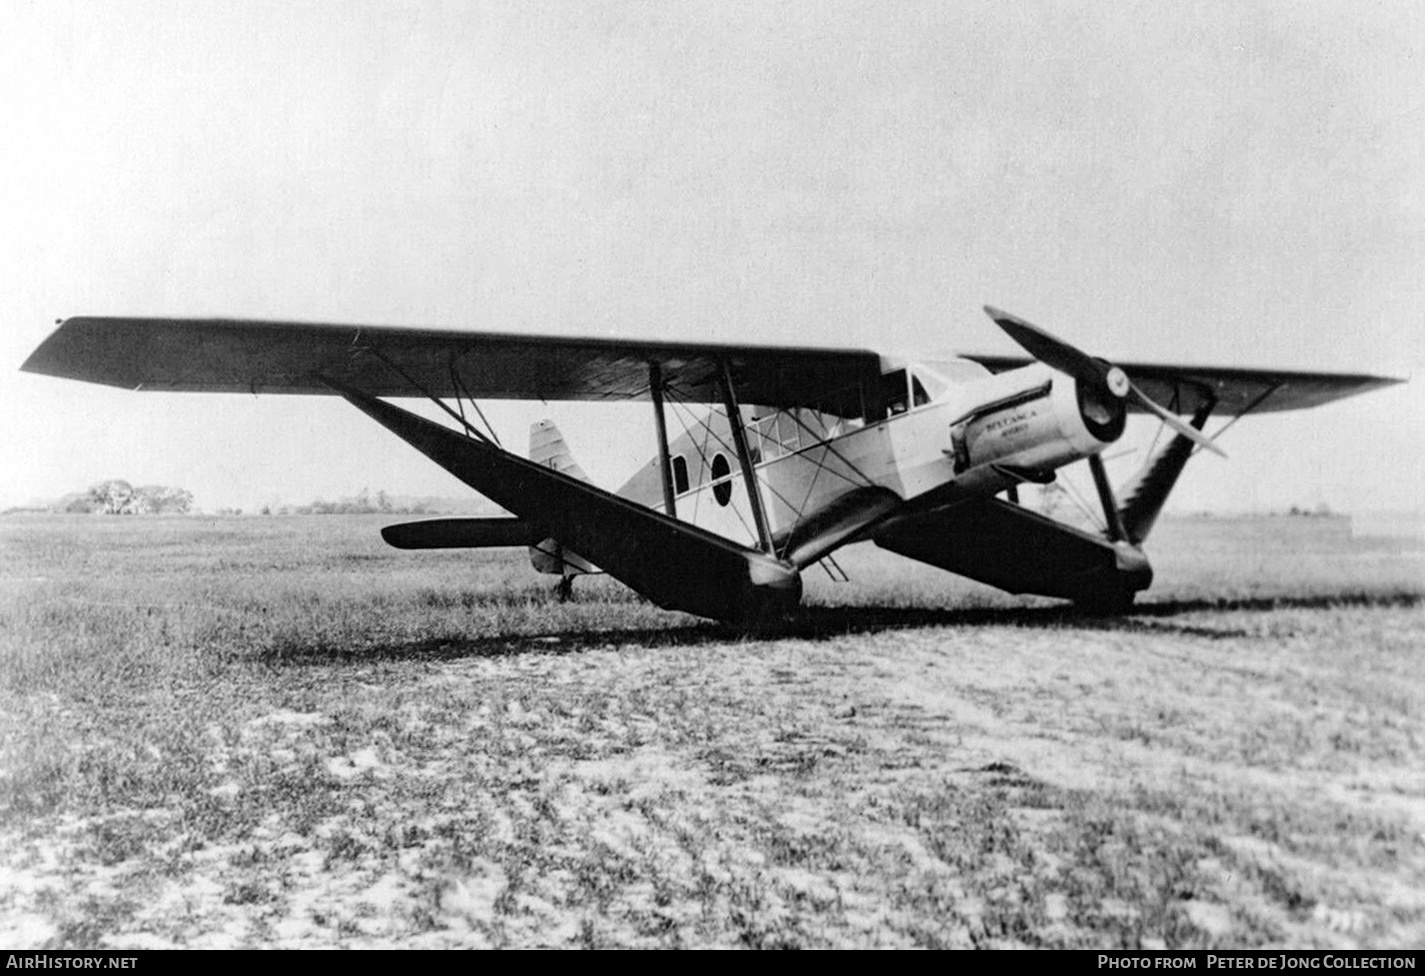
{"x": 680, "y": 474}
{"x": 788, "y": 433}
{"x": 893, "y": 392}
{"x": 722, "y": 484}
{"x": 918, "y": 396}
{"x": 767, "y": 434}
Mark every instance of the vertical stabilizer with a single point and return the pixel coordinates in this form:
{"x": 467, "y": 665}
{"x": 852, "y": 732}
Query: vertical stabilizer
{"x": 548, "y": 449}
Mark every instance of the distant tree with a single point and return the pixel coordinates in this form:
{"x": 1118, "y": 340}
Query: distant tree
{"x": 162, "y": 500}
{"x": 363, "y": 503}
{"x": 80, "y": 504}
{"x": 117, "y": 497}
{"x": 112, "y": 497}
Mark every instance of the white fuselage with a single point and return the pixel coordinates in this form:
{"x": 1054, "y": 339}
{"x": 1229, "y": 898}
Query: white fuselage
{"x": 1022, "y": 422}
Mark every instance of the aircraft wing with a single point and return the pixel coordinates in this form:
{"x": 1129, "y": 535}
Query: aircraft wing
{"x": 247, "y": 356}
{"x": 676, "y": 565}
{"x": 1234, "y": 390}
{"x": 1017, "y": 550}
{"x": 243, "y": 356}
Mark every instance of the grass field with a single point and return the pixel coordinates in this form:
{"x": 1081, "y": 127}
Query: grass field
{"x": 278, "y": 732}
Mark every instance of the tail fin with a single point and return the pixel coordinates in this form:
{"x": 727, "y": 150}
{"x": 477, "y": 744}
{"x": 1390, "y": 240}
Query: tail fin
{"x": 548, "y": 449}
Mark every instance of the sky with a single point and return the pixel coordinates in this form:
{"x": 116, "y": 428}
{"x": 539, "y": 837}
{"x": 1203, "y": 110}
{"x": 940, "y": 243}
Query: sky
{"x": 1220, "y": 182}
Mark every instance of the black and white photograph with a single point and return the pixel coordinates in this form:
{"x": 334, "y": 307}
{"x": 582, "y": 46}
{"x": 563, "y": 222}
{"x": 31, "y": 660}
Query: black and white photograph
{"x": 619, "y": 474}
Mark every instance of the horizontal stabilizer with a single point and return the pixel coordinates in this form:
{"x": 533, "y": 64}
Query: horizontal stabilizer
{"x": 676, "y": 565}
{"x": 1017, "y": 550}
{"x": 461, "y": 533}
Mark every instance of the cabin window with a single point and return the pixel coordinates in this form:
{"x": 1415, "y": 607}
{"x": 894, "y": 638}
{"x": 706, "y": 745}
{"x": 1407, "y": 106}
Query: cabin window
{"x": 722, "y": 484}
{"x": 893, "y": 392}
{"x": 767, "y": 436}
{"x": 680, "y": 474}
{"x": 932, "y": 383}
{"x": 788, "y": 433}
{"x": 823, "y": 426}
{"x": 918, "y": 396}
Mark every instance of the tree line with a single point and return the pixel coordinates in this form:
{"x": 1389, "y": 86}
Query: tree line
{"x": 117, "y": 497}
{"x": 364, "y": 503}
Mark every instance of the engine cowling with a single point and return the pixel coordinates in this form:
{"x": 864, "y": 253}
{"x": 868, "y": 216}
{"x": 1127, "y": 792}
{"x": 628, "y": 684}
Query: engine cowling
{"x": 1023, "y": 424}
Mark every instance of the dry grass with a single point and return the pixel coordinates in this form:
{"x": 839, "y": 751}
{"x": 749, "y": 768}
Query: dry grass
{"x": 276, "y": 732}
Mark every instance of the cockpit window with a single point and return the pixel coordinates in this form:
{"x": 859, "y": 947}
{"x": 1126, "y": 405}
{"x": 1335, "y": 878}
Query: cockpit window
{"x": 893, "y": 392}
{"x": 918, "y": 396}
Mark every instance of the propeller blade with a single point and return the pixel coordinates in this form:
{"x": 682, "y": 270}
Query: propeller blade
{"x": 1053, "y": 351}
{"x": 1187, "y": 430}
{"x": 1050, "y": 349}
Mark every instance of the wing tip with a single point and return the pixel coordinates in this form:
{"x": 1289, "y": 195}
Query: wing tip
{"x": 42, "y": 360}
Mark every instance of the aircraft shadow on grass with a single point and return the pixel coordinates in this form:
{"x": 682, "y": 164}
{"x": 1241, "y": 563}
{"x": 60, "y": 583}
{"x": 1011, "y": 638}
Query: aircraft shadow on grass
{"x": 831, "y": 623}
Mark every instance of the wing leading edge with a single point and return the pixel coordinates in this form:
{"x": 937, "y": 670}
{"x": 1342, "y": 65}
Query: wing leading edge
{"x": 1232, "y": 390}
{"x": 240, "y": 356}
{"x": 247, "y": 356}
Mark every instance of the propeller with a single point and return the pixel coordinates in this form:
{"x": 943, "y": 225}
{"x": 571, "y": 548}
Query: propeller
{"x": 1053, "y": 351}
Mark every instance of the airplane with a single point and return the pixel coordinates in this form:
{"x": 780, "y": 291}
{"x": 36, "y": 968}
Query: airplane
{"x": 789, "y": 452}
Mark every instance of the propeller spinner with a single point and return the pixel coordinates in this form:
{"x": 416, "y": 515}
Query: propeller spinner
{"x": 1053, "y": 351}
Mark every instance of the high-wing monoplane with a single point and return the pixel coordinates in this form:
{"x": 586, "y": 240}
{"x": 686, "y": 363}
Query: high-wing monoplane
{"x": 787, "y": 453}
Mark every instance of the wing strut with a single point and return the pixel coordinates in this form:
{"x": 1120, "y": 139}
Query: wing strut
{"x": 665, "y": 463}
{"x": 462, "y": 392}
{"x": 744, "y": 458}
{"x": 1245, "y": 410}
{"x": 1147, "y": 492}
{"x": 674, "y": 564}
{"x": 1116, "y": 531}
{"x": 470, "y": 429}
